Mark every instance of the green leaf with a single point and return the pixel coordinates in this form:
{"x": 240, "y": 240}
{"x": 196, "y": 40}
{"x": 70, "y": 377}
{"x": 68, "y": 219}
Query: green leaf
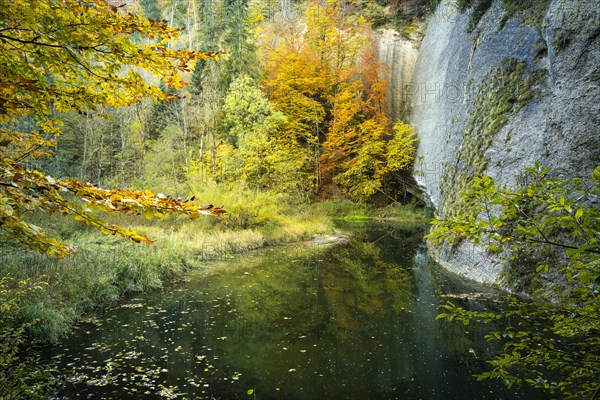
{"x": 542, "y": 267}
{"x": 596, "y": 175}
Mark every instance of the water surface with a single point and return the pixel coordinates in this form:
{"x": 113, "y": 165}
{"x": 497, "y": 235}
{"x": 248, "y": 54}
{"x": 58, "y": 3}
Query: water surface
{"x": 354, "y": 320}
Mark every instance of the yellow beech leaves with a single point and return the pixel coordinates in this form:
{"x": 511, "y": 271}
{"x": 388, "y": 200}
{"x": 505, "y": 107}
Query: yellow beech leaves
{"x": 325, "y": 78}
{"x": 70, "y": 55}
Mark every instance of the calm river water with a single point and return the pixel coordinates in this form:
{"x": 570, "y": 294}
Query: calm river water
{"x": 353, "y": 320}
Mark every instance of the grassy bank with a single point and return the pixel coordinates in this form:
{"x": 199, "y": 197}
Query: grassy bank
{"x": 106, "y": 267}
{"x": 349, "y": 211}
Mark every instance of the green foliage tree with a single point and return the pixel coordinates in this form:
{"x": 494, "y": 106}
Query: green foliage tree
{"x": 163, "y": 112}
{"x": 246, "y": 111}
{"x": 80, "y": 57}
{"x": 553, "y": 341}
{"x": 165, "y": 164}
{"x": 150, "y": 8}
{"x": 238, "y": 42}
{"x": 252, "y": 124}
{"x": 211, "y": 27}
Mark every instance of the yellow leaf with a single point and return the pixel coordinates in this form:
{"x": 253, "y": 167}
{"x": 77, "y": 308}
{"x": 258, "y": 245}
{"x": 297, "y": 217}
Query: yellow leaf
{"x": 148, "y": 213}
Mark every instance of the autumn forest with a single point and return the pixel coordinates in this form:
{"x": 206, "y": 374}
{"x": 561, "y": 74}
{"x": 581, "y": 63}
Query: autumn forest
{"x": 293, "y": 104}
{"x": 200, "y": 128}
{"x": 214, "y": 199}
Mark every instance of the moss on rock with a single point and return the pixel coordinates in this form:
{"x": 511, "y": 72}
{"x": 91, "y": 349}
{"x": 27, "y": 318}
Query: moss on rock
{"x": 532, "y": 11}
{"x": 502, "y": 94}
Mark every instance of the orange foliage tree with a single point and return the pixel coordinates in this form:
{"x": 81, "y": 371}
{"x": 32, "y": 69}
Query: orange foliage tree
{"x": 324, "y": 75}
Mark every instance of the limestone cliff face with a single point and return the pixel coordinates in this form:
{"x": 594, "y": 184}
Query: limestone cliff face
{"x": 400, "y": 55}
{"x": 496, "y": 99}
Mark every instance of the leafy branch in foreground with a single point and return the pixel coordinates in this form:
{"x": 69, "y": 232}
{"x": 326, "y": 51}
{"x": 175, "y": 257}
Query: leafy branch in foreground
{"x": 75, "y": 56}
{"x": 553, "y": 342}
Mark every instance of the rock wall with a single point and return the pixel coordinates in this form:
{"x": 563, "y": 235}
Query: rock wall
{"x": 496, "y": 99}
{"x": 400, "y": 55}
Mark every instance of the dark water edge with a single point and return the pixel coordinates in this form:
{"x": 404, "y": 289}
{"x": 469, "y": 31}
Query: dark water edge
{"x": 353, "y": 320}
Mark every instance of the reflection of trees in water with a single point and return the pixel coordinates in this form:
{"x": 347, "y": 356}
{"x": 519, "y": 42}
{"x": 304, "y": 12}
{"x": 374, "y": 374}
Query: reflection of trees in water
{"x": 322, "y": 293}
{"x": 319, "y": 310}
{"x": 325, "y": 291}
{"x": 358, "y": 286}
{"x": 282, "y": 316}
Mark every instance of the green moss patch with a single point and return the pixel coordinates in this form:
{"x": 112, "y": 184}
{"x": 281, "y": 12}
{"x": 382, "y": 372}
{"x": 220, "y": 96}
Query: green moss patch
{"x": 502, "y": 94}
{"x": 532, "y": 11}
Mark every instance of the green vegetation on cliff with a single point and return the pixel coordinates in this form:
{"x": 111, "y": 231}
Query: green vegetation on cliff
{"x": 551, "y": 342}
{"x": 503, "y": 93}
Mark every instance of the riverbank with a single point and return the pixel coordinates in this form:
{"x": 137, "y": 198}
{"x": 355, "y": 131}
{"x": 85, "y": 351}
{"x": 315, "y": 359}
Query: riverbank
{"x": 396, "y": 212}
{"x": 105, "y": 267}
